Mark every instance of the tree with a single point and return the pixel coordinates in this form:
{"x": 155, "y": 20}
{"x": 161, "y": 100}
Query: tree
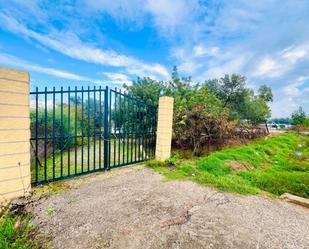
{"x": 228, "y": 88}
{"x": 298, "y": 117}
{"x": 241, "y": 101}
{"x": 147, "y": 89}
{"x": 258, "y": 111}
{"x": 266, "y": 93}
{"x": 200, "y": 119}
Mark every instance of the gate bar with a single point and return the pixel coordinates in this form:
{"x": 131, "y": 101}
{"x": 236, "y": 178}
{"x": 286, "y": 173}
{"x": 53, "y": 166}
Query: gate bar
{"x": 106, "y": 135}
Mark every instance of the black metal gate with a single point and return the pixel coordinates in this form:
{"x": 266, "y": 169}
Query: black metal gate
{"x": 78, "y": 131}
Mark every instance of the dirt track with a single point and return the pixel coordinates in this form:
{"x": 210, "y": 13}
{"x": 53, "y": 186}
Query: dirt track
{"x": 133, "y": 208}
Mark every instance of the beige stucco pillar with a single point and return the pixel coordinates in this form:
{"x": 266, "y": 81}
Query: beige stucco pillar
{"x": 164, "y": 129}
{"x": 15, "y": 177}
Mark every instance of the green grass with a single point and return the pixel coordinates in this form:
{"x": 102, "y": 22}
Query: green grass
{"x": 271, "y": 162}
{"x": 120, "y": 153}
{"x": 23, "y": 236}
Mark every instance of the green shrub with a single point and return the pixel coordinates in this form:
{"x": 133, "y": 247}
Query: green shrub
{"x": 172, "y": 160}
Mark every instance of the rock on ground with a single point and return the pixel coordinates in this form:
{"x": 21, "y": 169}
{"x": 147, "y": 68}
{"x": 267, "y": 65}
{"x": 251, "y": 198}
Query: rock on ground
{"x": 133, "y": 208}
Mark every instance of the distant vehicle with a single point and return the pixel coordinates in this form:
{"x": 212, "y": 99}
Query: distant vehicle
{"x": 275, "y": 126}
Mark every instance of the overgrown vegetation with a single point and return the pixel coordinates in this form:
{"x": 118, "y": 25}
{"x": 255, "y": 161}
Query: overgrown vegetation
{"x": 277, "y": 165}
{"x": 17, "y": 233}
{"x": 211, "y": 112}
{"x": 299, "y": 119}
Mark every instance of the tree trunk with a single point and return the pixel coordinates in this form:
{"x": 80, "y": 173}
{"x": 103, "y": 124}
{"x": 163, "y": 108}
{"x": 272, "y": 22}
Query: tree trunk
{"x": 266, "y": 127}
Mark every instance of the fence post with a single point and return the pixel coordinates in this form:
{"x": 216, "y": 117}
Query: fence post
{"x": 164, "y": 128}
{"x": 15, "y": 176}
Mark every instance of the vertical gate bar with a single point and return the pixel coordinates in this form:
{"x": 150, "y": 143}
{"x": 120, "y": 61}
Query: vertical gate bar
{"x": 100, "y": 122}
{"x": 94, "y": 126}
{"x": 45, "y": 134}
{"x": 155, "y": 129}
{"x": 119, "y": 127}
{"x": 88, "y": 129}
{"x": 109, "y": 128}
{"x": 139, "y": 131}
{"x": 115, "y": 118}
{"x": 135, "y": 129}
{"x": 128, "y": 128}
{"x": 146, "y": 130}
{"x": 153, "y": 109}
{"x": 131, "y": 126}
{"x": 124, "y": 129}
{"x": 36, "y": 134}
{"x": 61, "y": 121}
{"x": 143, "y": 131}
{"x": 151, "y": 130}
{"x": 123, "y": 121}
{"x": 75, "y": 129}
{"x": 82, "y": 124}
{"x": 106, "y": 128}
{"x": 54, "y": 130}
{"x": 69, "y": 130}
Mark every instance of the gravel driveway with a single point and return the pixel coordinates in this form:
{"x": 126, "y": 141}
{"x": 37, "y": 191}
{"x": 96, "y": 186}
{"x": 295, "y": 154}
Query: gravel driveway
{"x": 133, "y": 208}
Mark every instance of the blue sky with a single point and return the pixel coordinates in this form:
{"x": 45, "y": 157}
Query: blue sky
{"x": 68, "y": 43}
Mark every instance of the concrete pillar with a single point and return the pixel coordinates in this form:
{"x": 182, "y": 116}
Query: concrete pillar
{"x": 15, "y": 176}
{"x": 164, "y": 130}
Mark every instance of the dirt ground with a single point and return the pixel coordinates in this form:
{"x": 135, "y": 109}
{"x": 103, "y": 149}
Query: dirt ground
{"x": 134, "y": 207}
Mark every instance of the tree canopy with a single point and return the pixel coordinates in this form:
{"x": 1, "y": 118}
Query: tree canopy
{"x": 207, "y": 112}
{"x": 298, "y": 117}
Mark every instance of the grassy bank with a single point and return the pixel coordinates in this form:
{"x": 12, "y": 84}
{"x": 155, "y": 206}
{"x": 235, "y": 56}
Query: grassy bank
{"x": 17, "y": 233}
{"x": 277, "y": 165}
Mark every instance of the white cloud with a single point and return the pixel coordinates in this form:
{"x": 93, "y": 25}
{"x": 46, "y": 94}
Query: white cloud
{"x": 293, "y": 89}
{"x": 10, "y": 60}
{"x": 169, "y": 17}
{"x": 269, "y": 67}
{"x": 69, "y": 44}
{"x": 118, "y": 77}
{"x": 233, "y": 65}
{"x": 201, "y": 50}
{"x": 189, "y": 67}
{"x": 293, "y": 54}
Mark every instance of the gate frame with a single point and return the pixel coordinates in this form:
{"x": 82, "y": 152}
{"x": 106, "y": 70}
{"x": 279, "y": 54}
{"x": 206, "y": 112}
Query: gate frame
{"x": 15, "y": 83}
{"x": 143, "y": 110}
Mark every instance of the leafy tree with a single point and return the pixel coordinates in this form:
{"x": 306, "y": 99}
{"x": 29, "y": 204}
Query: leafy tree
{"x": 199, "y": 119}
{"x": 257, "y": 111}
{"x": 305, "y": 123}
{"x": 146, "y": 88}
{"x": 241, "y": 101}
{"x": 266, "y": 93}
{"x": 177, "y": 85}
{"x": 228, "y": 88}
{"x": 231, "y": 91}
{"x": 298, "y": 116}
